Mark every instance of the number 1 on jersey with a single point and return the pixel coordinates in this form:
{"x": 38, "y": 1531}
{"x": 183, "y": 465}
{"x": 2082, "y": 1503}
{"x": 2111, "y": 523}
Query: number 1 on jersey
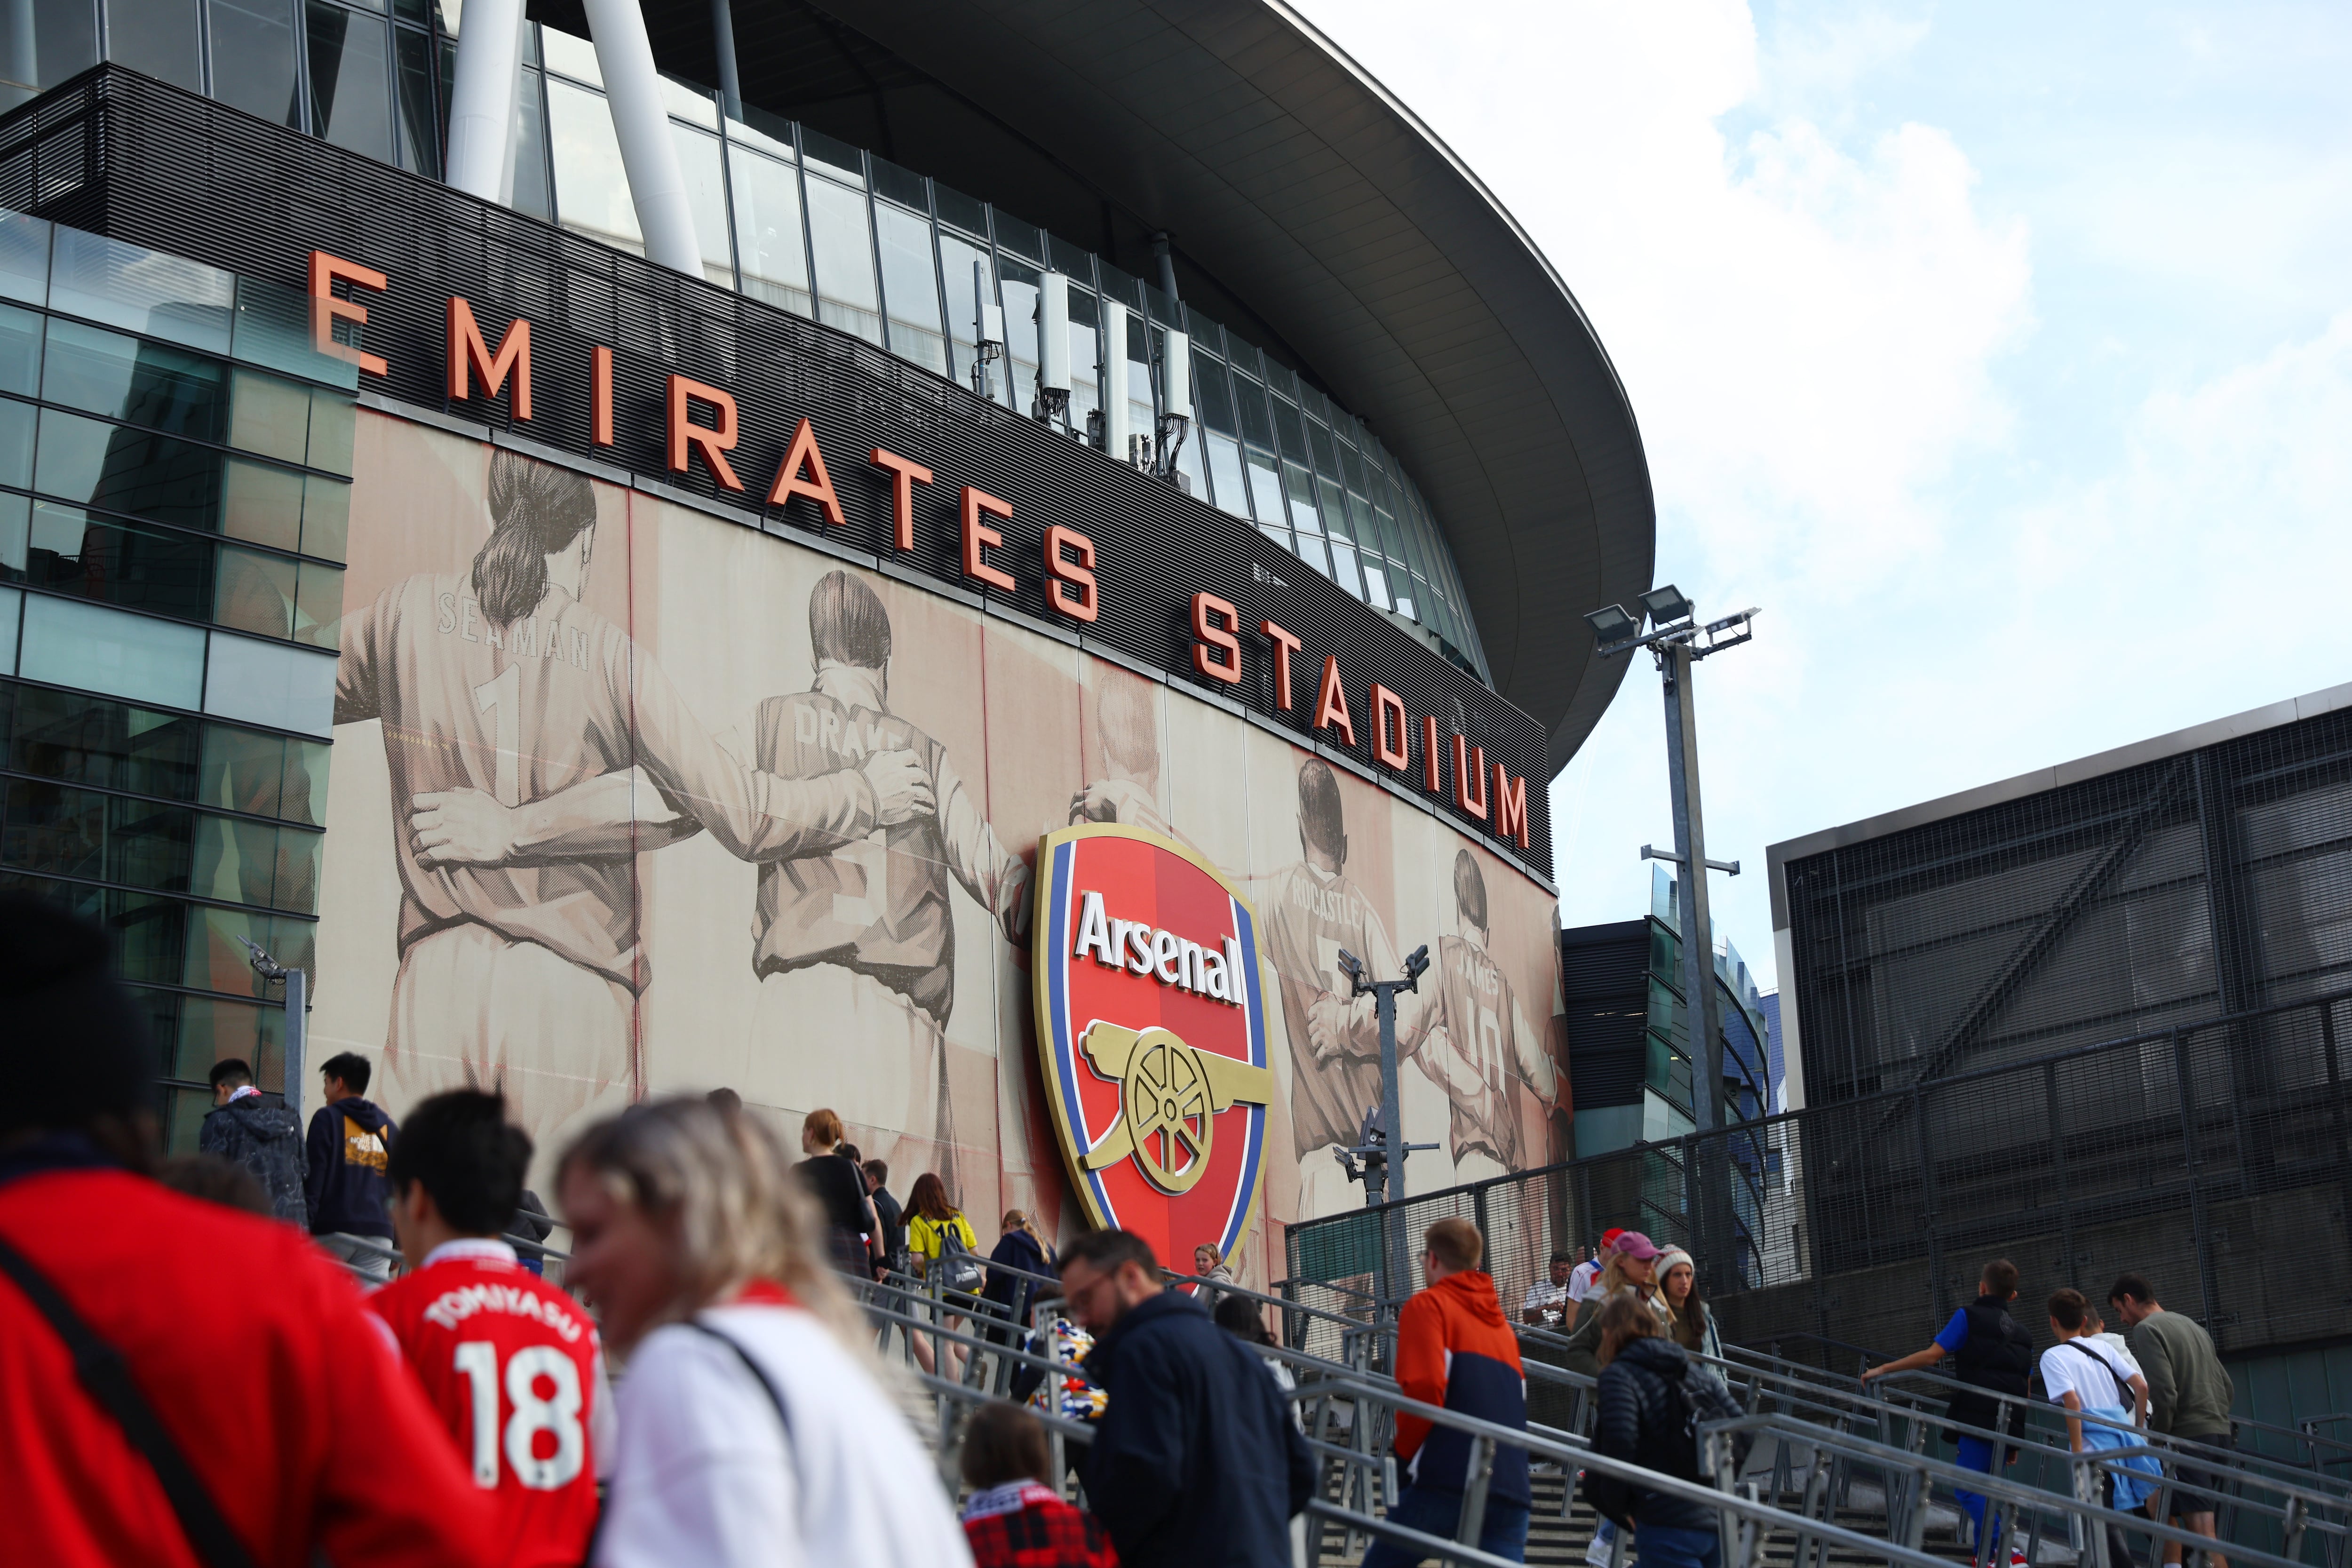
{"x": 503, "y": 698}
{"x": 477, "y": 1360}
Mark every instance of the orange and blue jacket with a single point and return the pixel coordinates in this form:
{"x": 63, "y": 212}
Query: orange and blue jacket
{"x": 1457, "y": 1350}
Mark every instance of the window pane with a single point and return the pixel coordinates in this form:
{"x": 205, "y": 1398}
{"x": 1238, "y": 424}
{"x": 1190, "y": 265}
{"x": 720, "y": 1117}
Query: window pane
{"x": 158, "y": 36}
{"x": 847, "y": 296}
{"x": 80, "y": 738}
{"x": 1017, "y": 283}
{"x": 1225, "y": 474}
{"x": 253, "y": 58}
{"x": 334, "y": 420}
{"x": 326, "y": 516}
{"x": 262, "y": 504}
{"x": 1086, "y": 356}
{"x": 217, "y": 962}
{"x": 16, "y": 421}
{"x": 149, "y": 934}
{"x": 911, "y": 285}
{"x": 243, "y": 770}
{"x": 706, "y": 194}
{"x": 1343, "y": 567}
{"x": 94, "y": 648}
{"x": 1188, "y": 462}
{"x": 1376, "y": 582}
{"x": 959, "y": 260}
{"x": 64, "y": 41}
{"x": 768, "y": 230}
{"x": 141, "y": 290}
{"x": 319, "y": 606}
{"x": 255, "y": 863}
{"x": 1216, "y": 397}
{"x": 1250, "y": 399}
{"x": 275, "y": 684}
{"x": 1142, "y": 416}
{"x": 531, "y": 194}
{"x": 122, "y": 563}
{"x": 591, "y": 192}
{"x": 121, "y": 469}
{"x": 1292, "y": 429}
{"x": 1300, "y": 488}
{"x": 124, "y": 378}
{"x": 1265, "y": 491}
{"x": 256, "y": 593}
{"x": 574, "y": 57}
{"x": 350, "y": 81}
{"x": 15, "y": 537}
{"x": 23, "y": 258}
{"x": 269, "y": 415}
{"x": 304, "y": 796}
{"x": 418, "y": 125}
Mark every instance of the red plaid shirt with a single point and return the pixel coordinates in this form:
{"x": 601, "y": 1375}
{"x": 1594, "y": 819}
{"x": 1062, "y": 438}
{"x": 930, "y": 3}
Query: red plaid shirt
{"x": 1027, "y": 1526}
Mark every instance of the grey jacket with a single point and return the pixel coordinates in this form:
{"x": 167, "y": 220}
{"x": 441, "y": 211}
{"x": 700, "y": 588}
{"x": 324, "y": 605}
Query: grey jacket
{"x": 2189, "y": 1393}
{"x": 260, "y": 1134}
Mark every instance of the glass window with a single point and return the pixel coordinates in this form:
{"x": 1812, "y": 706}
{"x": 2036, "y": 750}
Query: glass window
{"x": 64, "y": 40}
{"x": 1142, "y": 413}
{"x": 94, "y": 648}
{"x": 16, "y": 447}
{"x": 16, "y": 540}
{"x": 1300, "y": 486}
{"x": 23, "y": 258}
{"x": 1334, "y": 502}
{"x": 350, "y": 79}
{"x": 844, "y": 247}
{"x": 1021, "y": 239}
{"x": 141, "y": 290}
{"x": 69, "y": 552}
{"x": 264, "y": 775}
{"x": 80, "y": 738}
{"x": 1292, "y": 429}
{"x": 275, "y": 684}
{"x": 120, "y": 469}
{"x": 765, "y": 133}
{"x": 706, "y": 194}
{"x": 253, "y": 58}
{"x": 1188, "y": 462}
{"x": 1343, "y": 568}
{"x": 216, "y": 960}
{"x": 334, "y": 421}
{"x": 263, "y": 504}
{"x": 326, "y": 516}
{"x": 1376, "y": 582}
{"x": 695, "y": 105}
{"x": 255, "y": 593}
{"x": 591, "y": 192}
{"x": 911, "y": 285}
{"x": 955, "y": 207}
{"x": 269, "y": 415}
{"x": 1249, "y": 399}
{"x": 255, "y": 863}
{"x": 123, "y": 378}
{"x": 834, "y": 154}
{"x": 158, "y": 36}
{"x": 418, "y": 123}
{"x": 1265, "y": 491}
{"x": 574, "y": 57}
{"x": 271, "y": 327}
{"x": 148, "y": 934}
{"x": 1086, "y": 353}
{"x": 1225, "y": 473}
{"x": 319, "y": 606}
{"x": 67, "y": 832}
{"x": 11, "y": 607}
{"x": 902, "y": 186}
{"x": 1216, "y": 397}
{"x": 1017, "y": 281}
{"x": 532, "y": 194}
{"x": 767, "y": 229}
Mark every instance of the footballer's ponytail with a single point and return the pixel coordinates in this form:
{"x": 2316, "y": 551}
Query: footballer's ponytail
{"x": 536, "y": 510}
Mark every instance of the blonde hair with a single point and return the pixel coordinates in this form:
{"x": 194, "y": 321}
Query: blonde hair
{"x": 1216, "y": 1256}
{"x": 722, "y": 1185}
{"x": 1613, "y": 1279}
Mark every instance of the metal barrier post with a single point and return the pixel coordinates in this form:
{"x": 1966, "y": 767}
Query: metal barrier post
{"x": 1474, "y": 1500}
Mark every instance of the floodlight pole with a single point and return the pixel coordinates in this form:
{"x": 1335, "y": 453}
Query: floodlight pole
{"x": 1377, "y": 1172}
{"x": 297, "y": 1005}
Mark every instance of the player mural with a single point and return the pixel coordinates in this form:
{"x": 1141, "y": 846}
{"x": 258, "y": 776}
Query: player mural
{"x": 632, "y": 800}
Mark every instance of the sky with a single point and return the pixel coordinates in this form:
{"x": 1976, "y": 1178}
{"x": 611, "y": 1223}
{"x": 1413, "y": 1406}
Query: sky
{"x": 2000, "y": 352}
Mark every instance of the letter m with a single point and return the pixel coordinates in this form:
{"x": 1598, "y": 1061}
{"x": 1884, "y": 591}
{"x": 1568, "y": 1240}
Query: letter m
{"x": 470, "y": 356}
{"x": 1510, "y": 808}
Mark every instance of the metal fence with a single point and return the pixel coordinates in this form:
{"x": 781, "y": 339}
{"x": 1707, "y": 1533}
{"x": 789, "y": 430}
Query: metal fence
{"x": 2216, "y": 1159}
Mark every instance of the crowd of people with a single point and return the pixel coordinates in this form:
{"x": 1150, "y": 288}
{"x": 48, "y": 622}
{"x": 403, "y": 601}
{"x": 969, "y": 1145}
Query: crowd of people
{"x": 243, "y": 1404}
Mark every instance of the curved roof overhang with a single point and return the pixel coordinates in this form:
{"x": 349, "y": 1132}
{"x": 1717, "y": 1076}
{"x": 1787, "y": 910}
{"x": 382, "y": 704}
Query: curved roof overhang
{"x": 1310, "y": 194}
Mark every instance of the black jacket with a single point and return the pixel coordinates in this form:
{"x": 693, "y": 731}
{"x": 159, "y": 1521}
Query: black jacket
{"x": 266, "y": 1138}
{"x": 350, "y": 1143}
{"x": 1196, "y": 1460}
{"x": 1645, "y": 1418}
{"x": 893, "y": 1221}
{"x": 1999, "y": 1355}
{"x": 1011, "y": 1292}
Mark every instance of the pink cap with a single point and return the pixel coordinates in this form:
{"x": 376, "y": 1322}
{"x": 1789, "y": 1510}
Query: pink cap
{"x": 1637, "y": 1247}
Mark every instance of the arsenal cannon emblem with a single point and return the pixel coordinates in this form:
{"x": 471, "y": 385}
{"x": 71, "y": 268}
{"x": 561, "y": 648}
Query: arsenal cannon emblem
{"x": 1153, "y": 1035}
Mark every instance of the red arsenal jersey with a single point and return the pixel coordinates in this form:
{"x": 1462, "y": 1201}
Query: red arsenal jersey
{"x": 512, "y": 1365}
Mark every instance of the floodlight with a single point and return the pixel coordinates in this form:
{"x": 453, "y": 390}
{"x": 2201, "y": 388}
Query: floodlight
{"x": 1352, "y": 965}
{"x": 1666, "y": 604}
{"x": 1611, "y": 625}
{"x": 1416, "y": 961}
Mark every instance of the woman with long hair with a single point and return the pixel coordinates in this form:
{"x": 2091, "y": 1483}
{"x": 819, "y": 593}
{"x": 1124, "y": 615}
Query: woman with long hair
{"x": 1632, "y": 1271}
{"x": 1209, "y": 1264}
{"x": 1689, "y": 1322}
{"x": 941, "y": 1243}
{"x": 1020, "y": 1256}
{"x": 752, "y": 1426}
{"x": 1643, "y": 1421}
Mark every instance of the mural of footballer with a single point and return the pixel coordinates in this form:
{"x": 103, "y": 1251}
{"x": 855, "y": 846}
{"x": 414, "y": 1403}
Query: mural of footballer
{"x": 520, "y": 727}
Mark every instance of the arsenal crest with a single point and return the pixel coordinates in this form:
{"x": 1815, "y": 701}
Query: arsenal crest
{"x": 1149, "y": 1021}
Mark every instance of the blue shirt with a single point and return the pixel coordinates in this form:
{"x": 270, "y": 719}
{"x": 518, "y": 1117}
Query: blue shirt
{"x": 1955, "y": 1334}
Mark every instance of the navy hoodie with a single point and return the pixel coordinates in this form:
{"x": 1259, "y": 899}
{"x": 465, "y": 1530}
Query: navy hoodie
{"x": 350, "y": 1141}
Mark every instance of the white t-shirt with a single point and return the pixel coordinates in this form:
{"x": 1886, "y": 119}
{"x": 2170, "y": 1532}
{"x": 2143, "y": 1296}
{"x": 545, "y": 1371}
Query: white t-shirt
{"x": 2121, "y": 1348}
{"x": 1543, "y": 1296}
{"x": 1581, "y": 1279}
{"x": 2066, "y": 1370}
{"x": 703, "y": 1473}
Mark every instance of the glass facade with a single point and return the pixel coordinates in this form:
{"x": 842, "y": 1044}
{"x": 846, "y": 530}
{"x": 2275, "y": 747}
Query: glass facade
{"x": 174, "y": 492}
{"x": 824, "y": 229}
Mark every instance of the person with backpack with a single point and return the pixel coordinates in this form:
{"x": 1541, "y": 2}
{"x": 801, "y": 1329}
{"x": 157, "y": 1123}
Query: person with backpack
{"x": 2080, "y": 1373}
{"x": 1648, "y": 1418}
{"x": 1992, "y": 1353}
{"x": 1457, "y": 1350}
{"x": 753, "y": 1426}
{"x": 344, "y": 1188}
{"x": 259, "y": 1133}
{"x": 941, "y": 1245}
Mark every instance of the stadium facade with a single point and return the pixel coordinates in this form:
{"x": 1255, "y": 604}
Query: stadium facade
{"x": 1134, "y": 416}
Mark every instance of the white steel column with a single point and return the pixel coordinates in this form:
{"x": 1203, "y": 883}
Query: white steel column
{"x": 633, "y": 91}
{"x": 482, "y": 101}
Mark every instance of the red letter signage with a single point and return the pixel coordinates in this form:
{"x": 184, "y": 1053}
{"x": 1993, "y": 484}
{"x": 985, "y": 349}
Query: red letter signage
{"x": 1331, "y": 708}
{"x": 1284, "y": 645}
{"x": 1389, "y": 708}
{"x": 905, "y": 474}
{"x": 1061, "y": 575}
{"x": 978, "y": 536}
{"x": 1510, "y": 806}
{"x": 713, "y": 442}
{"x": 600, "y": 395}
{"x": 469, "y": 355}
{"x": 817, "y": 487}
{"x": 1429, "y": 755}
{"x": 1470, "y": 767}
{"x": 326, "y": 309}
{"x": 1225, "y": 663}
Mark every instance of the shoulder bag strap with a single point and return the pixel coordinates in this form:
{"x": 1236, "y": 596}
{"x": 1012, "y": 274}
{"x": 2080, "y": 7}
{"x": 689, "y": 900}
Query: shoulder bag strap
{"x": 768, "y": 1386}
{"x": 2124, "y": 1396}
{"x": 107, "y": 1380}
